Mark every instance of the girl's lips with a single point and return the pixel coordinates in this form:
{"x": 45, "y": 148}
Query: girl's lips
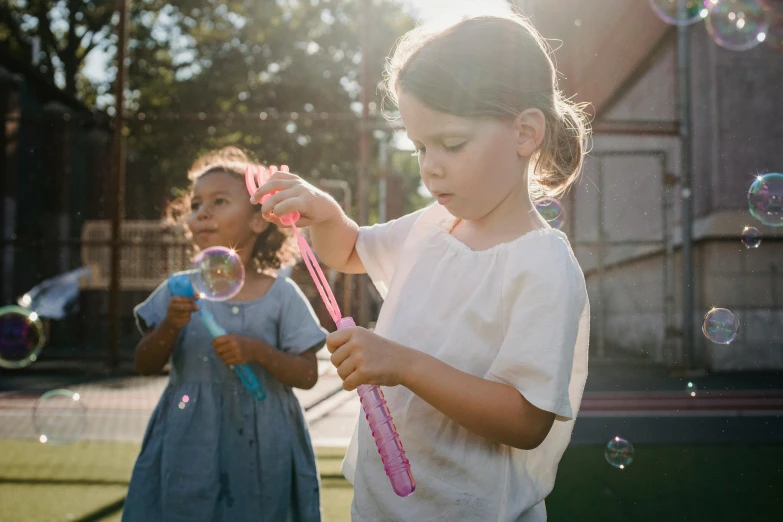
{"x": 444, "y": 199}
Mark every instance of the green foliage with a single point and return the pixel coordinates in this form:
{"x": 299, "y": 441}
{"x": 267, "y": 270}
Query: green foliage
{"x": 279, "y": 78}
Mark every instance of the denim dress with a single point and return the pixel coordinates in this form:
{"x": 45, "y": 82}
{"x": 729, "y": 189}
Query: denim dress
{"x": 213, "y": 453}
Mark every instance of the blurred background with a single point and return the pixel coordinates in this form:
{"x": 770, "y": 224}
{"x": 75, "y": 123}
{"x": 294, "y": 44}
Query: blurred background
{"x": 676, "y": 222}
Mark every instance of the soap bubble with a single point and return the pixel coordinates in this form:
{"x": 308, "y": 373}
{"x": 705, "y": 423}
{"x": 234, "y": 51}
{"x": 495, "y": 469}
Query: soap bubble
{"x": 765, "y": 199}
{"x": 669, "y": 11}
{"x": 619, "y": 453}
{"x": 59, "y": 417}
{"x": 751, "y": 237}
{"x": 218, "y": 273}
{"x": 691, "y": 389}
{"x": 552, "y": 211}
{"x": 21, "y": 337}
{"x": 720, "y": 326}
{"x": 737, "y": 25}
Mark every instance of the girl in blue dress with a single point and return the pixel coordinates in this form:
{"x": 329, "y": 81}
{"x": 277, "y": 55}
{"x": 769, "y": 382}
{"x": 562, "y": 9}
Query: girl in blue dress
{"x": 211, "y": 452}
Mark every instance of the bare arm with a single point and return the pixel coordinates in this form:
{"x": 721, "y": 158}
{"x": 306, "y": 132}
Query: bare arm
{"x": 490, "y": 409}
{"x": 332, "y": 233}
{"x": 298, "y": 371}
{"x": 335, "y": 243}
{"x": 154, "y": 349}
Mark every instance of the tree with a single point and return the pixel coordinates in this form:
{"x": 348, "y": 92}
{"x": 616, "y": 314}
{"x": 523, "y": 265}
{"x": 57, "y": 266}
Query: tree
{"x": 280, "y": 79}
{"x": 68, "y": 31}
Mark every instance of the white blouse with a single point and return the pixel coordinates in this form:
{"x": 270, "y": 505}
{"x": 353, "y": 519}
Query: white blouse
{"x": 516, "y": 313}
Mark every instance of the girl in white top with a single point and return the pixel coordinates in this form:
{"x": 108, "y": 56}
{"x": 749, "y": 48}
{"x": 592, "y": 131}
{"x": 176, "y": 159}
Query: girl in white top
{"x": 481, "y": 343}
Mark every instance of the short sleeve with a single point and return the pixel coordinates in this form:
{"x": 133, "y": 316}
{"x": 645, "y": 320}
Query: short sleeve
{"x": 379, "y": 248}
{"x": 300, "y": 329}
{"x": 153, "y": 310}
{"x": 543, "y": 298}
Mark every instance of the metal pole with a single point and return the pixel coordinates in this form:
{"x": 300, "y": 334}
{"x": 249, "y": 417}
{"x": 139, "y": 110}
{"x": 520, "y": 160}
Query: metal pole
{"x": 364, "y": 154}
{"x": 684, "y": 83}
{"x": 118, "y": 182}
{"x": 602, "y": 306}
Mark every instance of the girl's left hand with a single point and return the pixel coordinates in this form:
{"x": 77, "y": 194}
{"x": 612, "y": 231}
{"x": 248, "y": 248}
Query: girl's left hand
{"x": 363, "y": 357}
{"x": 232, "y": 350}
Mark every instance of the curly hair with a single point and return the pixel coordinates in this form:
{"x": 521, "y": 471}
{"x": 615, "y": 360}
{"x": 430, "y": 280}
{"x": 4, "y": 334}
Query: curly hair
{"x": 275, "y": 247}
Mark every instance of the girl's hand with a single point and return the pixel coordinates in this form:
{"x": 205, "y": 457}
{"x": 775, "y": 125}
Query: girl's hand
{"x": 290, "y": 193}
{"x": 363, "y": 357}
{"x": 233, "y": 350}
{"x": 180, "y": 308}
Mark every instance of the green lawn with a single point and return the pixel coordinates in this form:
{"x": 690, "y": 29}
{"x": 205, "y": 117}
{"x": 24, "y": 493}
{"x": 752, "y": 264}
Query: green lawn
{"x": 86, "y": 482}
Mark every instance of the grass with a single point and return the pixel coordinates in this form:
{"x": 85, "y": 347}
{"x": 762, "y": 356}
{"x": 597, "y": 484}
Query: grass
{"x": 86, "y": 482}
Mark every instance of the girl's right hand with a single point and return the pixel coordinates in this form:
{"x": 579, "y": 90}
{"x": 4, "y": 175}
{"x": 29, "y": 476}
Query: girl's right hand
{"x": 290, "y": 193}
{"x": 180, "y": 308}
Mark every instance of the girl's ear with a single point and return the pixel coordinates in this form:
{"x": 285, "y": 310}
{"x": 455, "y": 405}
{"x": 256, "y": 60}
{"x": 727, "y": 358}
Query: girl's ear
{"x": 531, "y": 128}
{"x": 257, "y": 223}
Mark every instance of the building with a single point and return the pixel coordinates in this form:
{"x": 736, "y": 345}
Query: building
{"x": 624, "y": 217}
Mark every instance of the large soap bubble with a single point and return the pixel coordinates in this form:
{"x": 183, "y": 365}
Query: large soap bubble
{"x": 737, "y": 25}
{"x": 218, "y": 273}
{"x": 21, "y": 337}
{"x": 765, "y": 199}
{"x": 671, "y": 12}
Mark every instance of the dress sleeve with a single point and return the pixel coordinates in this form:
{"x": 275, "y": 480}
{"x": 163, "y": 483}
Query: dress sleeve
{"x": 153, "y": 310}
{"x": 379, "y": 248}
{"x": 300, "y": 329}
{"x": 543, "y": 298}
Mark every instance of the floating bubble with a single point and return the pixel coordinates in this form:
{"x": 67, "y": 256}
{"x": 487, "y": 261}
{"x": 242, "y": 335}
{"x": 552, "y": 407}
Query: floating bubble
{"x": 552, "y": 211}
{"x": 720, "y": 326}
{"x": 669, "y": 11}
{"x": 737, "y": 25}
{"x": 619, "y": 453}
{"x": 751, "y": 237}
{"x": 59, "y": 417}
{"x": 21, "y": 337}
{"x": 691, "y": 389}
{"x": 218, "y": 273}
{"x": 765, "y": 199}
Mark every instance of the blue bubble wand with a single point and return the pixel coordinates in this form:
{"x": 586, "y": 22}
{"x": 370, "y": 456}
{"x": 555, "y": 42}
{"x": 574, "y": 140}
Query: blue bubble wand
{"x": 181, "y": 285}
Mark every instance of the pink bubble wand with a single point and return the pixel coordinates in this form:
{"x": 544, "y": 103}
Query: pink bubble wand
{"x": 397, "y": 466}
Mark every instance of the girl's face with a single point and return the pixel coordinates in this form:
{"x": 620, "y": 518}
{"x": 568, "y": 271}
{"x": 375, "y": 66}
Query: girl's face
{"x": 221, "y": 214}
{"x": 471, "y": 165}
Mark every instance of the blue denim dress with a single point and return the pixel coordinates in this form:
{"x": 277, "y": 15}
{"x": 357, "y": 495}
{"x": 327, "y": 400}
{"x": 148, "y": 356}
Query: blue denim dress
{"x": 211, "y": 452}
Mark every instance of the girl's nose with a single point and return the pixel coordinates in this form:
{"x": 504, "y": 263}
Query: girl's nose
{"x": 430, "y": 167}
{"x": 202, "y": 213}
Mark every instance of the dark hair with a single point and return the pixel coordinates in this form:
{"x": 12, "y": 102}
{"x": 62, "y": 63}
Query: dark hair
{"x": 494, "y": 66}
{"x": 274, "y": 247}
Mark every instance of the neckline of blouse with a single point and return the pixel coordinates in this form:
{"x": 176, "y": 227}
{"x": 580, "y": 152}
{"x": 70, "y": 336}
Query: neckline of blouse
{"x": 447, "y": 223}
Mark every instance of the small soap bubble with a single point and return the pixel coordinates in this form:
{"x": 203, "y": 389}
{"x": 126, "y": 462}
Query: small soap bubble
{"x": 691, "y": 389}
{"x": 619, "y": 453}
{"x": 751, "y": 237}
{"x": 218, "y": 273}
{"x": 765, "y": 199}
{"x": 552, "y": 211}
{"x": 21, "y": 337}
{"x": 671, "y": 12}
{"x": 737, "y": 25}
{"x": 59, "y": 417}
{"x": 720, "y": 326}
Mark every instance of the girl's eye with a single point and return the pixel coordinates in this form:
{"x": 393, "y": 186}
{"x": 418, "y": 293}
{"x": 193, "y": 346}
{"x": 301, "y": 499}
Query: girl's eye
{"x": 419, "y": 151}
{"x": 220, "y": 201}
{"x": 454, "y": 148}
{"x": 194, "y": 206}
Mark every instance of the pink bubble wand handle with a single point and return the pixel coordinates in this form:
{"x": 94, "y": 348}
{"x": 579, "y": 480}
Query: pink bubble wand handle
{"x": 387, "y": 440}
